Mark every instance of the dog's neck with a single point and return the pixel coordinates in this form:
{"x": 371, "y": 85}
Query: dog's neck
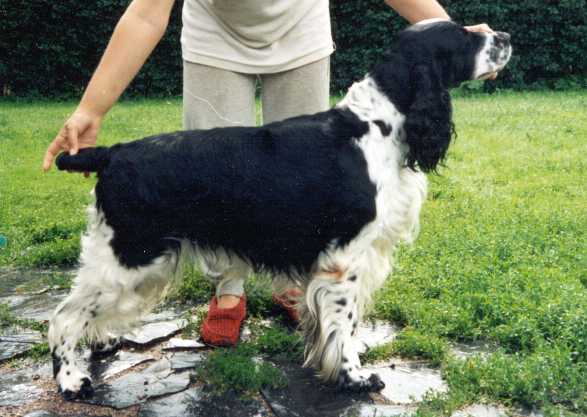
{"x": 370, "y": 104}
{"x": 366, "y": 100}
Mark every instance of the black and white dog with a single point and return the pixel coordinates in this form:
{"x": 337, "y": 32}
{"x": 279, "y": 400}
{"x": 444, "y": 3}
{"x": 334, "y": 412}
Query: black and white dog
{"x": 322, "y": 199}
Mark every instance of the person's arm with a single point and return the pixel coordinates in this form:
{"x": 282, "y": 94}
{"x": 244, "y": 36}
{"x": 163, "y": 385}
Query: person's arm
{"x": 415, "y": 10}
{"x": 138, "y": 31}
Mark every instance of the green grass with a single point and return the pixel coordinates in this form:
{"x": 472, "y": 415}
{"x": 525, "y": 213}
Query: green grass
{"x": 501, "y": 256}
{"x": 502, "y": 252}
{"x": 236, "y": 369}
{"x": 411, "y": 344}
{"x": 239, "y": 368}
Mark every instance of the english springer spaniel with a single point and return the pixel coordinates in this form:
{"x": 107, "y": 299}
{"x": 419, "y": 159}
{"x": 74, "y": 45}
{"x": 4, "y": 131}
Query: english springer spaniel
{"x": 323, "y": 199}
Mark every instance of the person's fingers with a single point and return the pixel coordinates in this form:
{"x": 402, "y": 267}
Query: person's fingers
{"x": 482, "y": 27}
{"x": 52, "y": 151}
{"x": 72, "y": 139}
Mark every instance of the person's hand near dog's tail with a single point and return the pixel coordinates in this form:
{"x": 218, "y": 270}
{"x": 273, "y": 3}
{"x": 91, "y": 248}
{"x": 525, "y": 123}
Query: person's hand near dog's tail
{"x": 137, "y": 33}
{"x": 79, "y": 131}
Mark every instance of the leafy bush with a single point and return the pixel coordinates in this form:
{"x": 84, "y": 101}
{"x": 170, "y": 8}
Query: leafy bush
{"x": 52, "y": 48}
{"x": 548, "y": 43}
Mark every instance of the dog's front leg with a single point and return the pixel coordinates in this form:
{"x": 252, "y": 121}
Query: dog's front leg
{"x": 329, "y": 321}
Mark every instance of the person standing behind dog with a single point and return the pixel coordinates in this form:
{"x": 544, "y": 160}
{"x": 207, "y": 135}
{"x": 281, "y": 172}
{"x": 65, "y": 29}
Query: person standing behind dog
{"x": 227, "y": 45}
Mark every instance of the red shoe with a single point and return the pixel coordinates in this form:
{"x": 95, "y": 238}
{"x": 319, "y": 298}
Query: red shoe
{"x": 288, "y": 302}
{"x": 222, "y": 325}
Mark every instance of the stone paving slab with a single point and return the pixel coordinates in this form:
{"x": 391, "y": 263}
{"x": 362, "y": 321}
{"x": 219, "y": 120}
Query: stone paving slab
{"x": 155, "y": 332}
{"x": 481, "y": 410}
{"x": 195, "y": 403}
{"x": 179, "y": 343}
{"x": 372, "y": 334}
{"x": 185, "y": 360}
{"x": 122, "y": 360}
{"x": 17, "y": 343}
{"x": 18, "y": 387}
{"x": 466, "y": 350}
{"x": 164, "y": 315}
{"x": 42, "y": 413}
{"x": 37, "y": 306}
{"x": 306, "y": 396}
{"x": 375, "y": 410}
{"x": 11, "y": 278}
{"x": 406, "y": 384}
{"x": 135, "y": 388}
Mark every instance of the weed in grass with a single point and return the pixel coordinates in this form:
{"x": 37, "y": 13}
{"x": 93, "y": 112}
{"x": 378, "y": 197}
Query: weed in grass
{"x": 194, "y": 318}
{"x": 410, "y": 344}
{"x": 54, "y": 232}
{"x": 194, "y": 287}
{"x": 39, "y": 352}
{"x": 238, "y": 369}
{"x": 58, "y": 253}
{"x": 258, "y": 290}
{"x": 7, "y": 319}
{"x": 377, "y": 353}
{"x": 546, "y": 377}
{"x": 280, "y": 344}
{"x": 55, "y": 245}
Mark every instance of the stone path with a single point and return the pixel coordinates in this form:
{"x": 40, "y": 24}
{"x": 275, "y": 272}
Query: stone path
{"x": 155, "y": 375}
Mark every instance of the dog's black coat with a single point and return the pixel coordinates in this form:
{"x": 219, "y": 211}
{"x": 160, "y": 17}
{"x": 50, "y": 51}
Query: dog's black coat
{"x": 328, "y": 196}
{"x": 276, "y": 195}
{"x": 279, "y": 194}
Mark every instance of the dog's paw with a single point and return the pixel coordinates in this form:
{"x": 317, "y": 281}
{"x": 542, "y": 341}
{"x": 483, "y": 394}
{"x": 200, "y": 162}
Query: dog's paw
{"x": 103, "y": 349}
{"x": 74, "y": 384}
{"x": 353, "y": 381}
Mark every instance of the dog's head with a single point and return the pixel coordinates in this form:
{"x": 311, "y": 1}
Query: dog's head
{"x": 435, "y": 56}
{"x": 453, "y": 54}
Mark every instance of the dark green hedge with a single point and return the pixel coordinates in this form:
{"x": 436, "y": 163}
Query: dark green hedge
{"x": 549, "y": 38}
{"x": 50, "y": 48}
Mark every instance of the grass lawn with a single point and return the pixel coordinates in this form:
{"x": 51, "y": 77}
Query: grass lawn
{"x": 502, "y": 256}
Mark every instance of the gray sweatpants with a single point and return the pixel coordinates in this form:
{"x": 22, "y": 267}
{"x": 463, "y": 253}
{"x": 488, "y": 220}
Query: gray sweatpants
{"x": 213, "y": 97}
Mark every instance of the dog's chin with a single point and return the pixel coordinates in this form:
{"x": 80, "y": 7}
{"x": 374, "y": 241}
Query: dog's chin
{"x": 492, "y": 75}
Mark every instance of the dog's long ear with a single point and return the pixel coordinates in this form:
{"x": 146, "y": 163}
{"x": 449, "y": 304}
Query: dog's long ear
{"x": 428, "y": 124}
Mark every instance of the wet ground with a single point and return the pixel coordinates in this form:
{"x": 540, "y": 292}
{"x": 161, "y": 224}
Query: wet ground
{"x": 154, "y": 374}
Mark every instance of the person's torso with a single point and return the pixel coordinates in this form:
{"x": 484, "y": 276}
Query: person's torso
{"x": 256, "y": 36}
{"x": 258, "y": 23}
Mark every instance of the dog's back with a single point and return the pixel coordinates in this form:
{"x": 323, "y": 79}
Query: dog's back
{"x": 276, "y": 195}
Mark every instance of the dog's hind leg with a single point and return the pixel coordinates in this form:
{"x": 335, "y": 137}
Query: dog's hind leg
{"x": 107, "y": 298}
{"x": 330, "y": 315}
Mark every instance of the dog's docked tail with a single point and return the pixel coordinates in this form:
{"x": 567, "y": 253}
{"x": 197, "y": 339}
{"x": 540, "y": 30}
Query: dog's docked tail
{"x": 87, "y": 160}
